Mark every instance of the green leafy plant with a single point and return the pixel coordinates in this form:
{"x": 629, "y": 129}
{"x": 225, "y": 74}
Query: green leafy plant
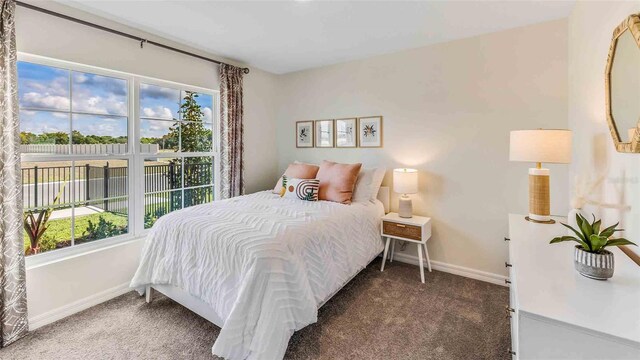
{"x": 150, "y": 217}
{"x": 36, "y": 226}
{"x": 101, "y": 230}
{"x": 591, "y": 237}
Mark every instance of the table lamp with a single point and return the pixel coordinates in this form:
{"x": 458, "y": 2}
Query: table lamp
{"x": 405, "y": 181}
{"x": 540, "y": 146}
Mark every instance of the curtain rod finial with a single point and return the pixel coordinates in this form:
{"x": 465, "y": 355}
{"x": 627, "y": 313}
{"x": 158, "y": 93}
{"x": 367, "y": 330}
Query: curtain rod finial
{"x": 245, "y": 70}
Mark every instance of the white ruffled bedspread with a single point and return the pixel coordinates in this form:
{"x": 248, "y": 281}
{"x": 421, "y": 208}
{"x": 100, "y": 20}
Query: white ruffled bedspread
{"x": 263, "y": 263}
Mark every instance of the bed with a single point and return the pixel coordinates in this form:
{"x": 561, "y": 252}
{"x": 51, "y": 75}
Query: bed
{"x": 259, "y": 266}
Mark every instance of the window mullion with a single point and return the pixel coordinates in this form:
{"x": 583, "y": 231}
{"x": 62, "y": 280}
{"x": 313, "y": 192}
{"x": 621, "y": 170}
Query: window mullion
{"x": 137, "y": 181}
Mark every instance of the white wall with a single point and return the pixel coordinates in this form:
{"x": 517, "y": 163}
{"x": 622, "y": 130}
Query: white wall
{"x": 448, "y": 110}
{"x": 591, "y": 26}
{"x": 69, "y": 285}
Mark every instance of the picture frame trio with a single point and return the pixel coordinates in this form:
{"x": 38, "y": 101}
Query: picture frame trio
{"x": 364, "y": 132}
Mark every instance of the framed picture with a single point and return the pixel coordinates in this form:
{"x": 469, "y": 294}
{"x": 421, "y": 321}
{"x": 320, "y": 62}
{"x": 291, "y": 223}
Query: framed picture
{"x": 324, "y": 133}
{"x": 304, "y": 134}
{"x": 370, "y": 131}
{"x": 346, "y": 132}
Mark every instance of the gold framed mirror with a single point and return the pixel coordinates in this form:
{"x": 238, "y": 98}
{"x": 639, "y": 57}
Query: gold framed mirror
{"x": 622, "y": 84}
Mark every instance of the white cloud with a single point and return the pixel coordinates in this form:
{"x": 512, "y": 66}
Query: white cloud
{"x": 158, "y": 92}
{"x": 58, "y": 86}
{"x": 155, "y": 128}
{"x": 208, "y": 114}
{"x": 158, "y": 112}
{"x": 113, "y": 105}
{"x": 80, "y": 78}
{"x": 105, "y": 128}
{"x": 46, "y": 101}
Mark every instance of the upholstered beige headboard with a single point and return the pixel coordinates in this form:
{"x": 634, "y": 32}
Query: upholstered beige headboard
{"x": 383, "y": 196}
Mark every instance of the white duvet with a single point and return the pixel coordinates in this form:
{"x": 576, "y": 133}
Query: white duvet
{"x": 263, "y": 263}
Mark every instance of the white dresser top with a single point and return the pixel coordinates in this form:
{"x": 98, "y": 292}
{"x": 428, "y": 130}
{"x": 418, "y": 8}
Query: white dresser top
{"x": 548, "y": 285}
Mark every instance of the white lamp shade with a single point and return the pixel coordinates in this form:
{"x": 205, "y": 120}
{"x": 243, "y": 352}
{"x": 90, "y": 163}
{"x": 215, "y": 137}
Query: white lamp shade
{"x": 543, "y": 146}
{"x": 405, "y": 181}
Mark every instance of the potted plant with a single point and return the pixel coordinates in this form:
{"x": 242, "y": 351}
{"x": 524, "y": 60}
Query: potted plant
{"x": 591, "y": 259}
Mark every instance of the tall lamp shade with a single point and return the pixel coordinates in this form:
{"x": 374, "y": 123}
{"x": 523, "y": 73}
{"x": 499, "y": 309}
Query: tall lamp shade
{"x": 540, "y": 146}
{"x": 405, "y": 181}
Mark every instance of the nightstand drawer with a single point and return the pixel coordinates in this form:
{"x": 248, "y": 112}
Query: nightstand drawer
{"x": 402, "y": 230}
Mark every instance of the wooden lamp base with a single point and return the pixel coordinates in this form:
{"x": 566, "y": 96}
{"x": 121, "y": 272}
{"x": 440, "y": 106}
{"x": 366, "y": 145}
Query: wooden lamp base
{"x": 539, "y": 197}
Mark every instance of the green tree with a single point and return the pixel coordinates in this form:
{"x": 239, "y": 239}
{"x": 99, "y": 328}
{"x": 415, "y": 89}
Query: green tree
{"x": 77, "y": 137}
{"x": 28, "y": 138}
{"x": 195, "y": 138}
{"x": 53, "y": 138}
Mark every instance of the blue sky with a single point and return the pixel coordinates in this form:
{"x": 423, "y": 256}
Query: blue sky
{"x": 47, "y": 88}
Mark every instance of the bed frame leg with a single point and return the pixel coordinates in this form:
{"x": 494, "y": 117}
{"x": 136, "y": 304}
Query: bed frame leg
{"x": 148, "y": 292}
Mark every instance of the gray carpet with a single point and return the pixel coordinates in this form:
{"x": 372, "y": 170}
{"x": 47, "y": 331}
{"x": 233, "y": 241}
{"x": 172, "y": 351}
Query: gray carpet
{"x": 388, "y": 315}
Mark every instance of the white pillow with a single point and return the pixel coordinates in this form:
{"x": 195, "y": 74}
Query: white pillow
{"x": 368, "y": 184}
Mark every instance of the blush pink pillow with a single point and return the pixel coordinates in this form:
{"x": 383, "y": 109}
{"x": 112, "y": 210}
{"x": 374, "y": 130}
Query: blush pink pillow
{"x": 337, "y": 181}
{"x": 298, "y": 171}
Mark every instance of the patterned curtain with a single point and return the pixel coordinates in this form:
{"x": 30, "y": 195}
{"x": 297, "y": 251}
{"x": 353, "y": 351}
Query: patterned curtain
{"x": 13, "y": 294}
{"x": 231, "y": 144}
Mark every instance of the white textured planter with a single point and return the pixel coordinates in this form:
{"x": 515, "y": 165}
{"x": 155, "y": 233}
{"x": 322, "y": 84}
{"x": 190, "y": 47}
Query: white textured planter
{"x": 594, "y": 266}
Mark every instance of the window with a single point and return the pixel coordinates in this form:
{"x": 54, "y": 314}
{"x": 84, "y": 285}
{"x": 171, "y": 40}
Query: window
{"x": 88, "y": 136}
{"x": 176, "y": 127}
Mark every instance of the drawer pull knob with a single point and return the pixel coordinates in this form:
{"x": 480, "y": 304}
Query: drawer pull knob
{"x": 512, "y": 352}
{"x": 507, "y": 281}
{"x": 400, "y": 225}
{"x": 506, "y": 264}
{"x": 507, "y": 239}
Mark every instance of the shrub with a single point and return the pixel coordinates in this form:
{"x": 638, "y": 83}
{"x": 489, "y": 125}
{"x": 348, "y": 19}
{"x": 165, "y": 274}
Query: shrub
{"x": 102, "y": 229}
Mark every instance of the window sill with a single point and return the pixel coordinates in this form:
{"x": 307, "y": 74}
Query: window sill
{"x": 51, "y": 257}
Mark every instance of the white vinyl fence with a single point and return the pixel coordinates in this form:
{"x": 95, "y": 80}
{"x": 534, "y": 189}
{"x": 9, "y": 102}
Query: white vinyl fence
{"x": 85, "y": 149}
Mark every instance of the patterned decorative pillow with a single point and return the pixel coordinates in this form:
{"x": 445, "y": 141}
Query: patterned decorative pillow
{"x": 303, "y": 189}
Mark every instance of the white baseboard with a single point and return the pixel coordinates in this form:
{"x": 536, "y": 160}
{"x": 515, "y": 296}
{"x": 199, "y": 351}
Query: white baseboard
{"x": 77, "y": 306}
{"x": 453, "y": 269}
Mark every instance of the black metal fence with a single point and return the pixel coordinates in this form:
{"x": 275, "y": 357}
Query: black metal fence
{"x": 163, "y": 184}
{"x": 94, "y": 186}
{"x": 41, "y": 185}
{"x": 106, "y": 187}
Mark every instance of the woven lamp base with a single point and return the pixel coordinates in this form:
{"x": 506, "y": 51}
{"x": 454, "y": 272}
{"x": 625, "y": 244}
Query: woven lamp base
{"x": 539, "y": 196}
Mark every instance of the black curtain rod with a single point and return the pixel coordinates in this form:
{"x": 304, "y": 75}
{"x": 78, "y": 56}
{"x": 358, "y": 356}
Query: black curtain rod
{"x": 117, "y": 32}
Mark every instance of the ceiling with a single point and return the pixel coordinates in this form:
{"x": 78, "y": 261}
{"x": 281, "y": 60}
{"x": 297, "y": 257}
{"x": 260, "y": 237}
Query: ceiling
{"x": 282, "y": 37}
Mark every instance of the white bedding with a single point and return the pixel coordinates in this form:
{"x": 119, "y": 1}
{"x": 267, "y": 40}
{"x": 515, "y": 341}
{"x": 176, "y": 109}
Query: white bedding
{"x": 263, "y": 263}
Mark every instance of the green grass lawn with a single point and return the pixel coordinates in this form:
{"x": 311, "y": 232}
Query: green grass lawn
{"x": 58, "y": 234}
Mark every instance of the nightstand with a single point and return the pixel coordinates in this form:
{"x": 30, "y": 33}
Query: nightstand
{"x": 416, "y": 229}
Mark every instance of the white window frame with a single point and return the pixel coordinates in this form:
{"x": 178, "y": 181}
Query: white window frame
{"x": 135, "y": 228}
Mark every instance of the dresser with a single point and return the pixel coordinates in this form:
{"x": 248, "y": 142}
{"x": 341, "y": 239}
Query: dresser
{"x": 555, "y": 312}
